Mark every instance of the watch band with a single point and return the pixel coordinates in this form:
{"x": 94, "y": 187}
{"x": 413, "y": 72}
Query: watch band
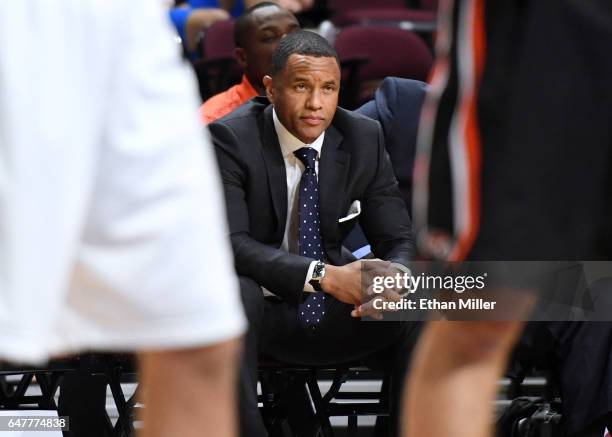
{"x": 316, "y": 285}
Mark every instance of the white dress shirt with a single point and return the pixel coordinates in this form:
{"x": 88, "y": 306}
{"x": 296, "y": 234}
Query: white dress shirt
{"x": 294, "y": 169}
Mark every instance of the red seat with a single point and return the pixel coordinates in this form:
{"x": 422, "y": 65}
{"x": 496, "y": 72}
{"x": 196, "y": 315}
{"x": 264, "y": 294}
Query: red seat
{"x": 430, "y": 5}
{"x": 338, "y": 6}
{"x": 219, "y": 40}
{"x": 368, "y": 12}
{"x": 413, "y": 19}
{"x": 387, "y": 51}
{"x": 218, "y": 68}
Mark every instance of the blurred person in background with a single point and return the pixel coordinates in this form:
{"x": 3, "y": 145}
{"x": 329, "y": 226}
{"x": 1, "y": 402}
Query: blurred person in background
{"x": 256, "y": 34}
{"x": 112, "y": 232}
{"x": 514, "y": 162}
{"x": 192, "y": 17}
{"x": 397, "y": 106}
{"x": 547, "y": 346}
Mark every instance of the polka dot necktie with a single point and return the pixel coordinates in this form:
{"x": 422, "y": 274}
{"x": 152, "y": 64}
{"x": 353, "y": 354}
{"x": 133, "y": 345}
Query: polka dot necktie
{"x": 312, "y": 310}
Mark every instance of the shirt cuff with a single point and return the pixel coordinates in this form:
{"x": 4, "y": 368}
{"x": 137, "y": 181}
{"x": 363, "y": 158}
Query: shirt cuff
{"x": 307, "y": 287}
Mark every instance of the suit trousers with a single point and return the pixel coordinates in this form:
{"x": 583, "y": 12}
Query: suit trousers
{"x": 274, "y": 331}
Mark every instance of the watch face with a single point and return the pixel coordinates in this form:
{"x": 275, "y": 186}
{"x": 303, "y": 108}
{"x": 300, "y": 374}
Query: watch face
{"x": 319, "y": 269}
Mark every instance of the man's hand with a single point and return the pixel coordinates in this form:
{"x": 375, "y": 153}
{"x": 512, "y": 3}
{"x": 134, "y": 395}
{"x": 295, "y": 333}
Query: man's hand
{"x": 343, "y": 282}
{"x": 353, "y": 284}
{"x": 371, "y": 270}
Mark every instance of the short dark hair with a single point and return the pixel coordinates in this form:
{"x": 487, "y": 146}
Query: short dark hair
{"x": 244, "y": 21}
{"x": 301, "y": 42}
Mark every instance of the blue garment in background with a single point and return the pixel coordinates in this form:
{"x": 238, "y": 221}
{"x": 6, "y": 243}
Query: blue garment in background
{"x": 179, "y": 15}
{"x": 237, "y": 9}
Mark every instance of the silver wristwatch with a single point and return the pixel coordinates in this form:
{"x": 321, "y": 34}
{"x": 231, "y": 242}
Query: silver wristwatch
{"x": 318, "y": 274}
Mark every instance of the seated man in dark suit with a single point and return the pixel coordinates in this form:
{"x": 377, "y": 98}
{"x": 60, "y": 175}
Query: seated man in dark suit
{"x": 298, "y": 174}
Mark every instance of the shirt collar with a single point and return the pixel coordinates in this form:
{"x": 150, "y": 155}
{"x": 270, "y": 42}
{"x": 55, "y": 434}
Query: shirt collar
{"x": 290, "y": 143}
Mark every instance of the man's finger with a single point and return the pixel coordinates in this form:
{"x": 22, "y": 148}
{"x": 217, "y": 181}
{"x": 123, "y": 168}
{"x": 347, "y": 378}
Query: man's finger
{"x": 368, "y": 309}
{"x": 391, "y": 295}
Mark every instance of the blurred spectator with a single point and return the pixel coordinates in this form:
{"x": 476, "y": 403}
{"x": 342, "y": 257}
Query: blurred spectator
{"x": 544, "y": 346}
{"x": 514, "y": 162}
{"x": 397, "y": 106}
{"x": 256, "y": 34}
{"x": 192, "y": 17}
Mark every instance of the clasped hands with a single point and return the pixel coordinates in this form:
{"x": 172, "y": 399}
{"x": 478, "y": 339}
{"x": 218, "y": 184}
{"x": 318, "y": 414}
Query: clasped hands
{"x": 354, "y": 284}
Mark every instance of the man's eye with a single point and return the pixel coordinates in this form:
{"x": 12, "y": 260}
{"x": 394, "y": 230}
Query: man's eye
{"x": 300, "y": 87}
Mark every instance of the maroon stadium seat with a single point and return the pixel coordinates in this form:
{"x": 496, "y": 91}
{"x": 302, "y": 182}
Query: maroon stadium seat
{"x": 389, "y": 51}
{"x": 218, "y": 69}
{"x": 219, "y": 40}
{"x": 430, "y": 5}
{"x": 373, "y": 12}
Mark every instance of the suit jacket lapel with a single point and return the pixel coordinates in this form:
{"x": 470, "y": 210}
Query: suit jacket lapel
{"x": 277, "y": 176}
{"x": 333, "y": 171}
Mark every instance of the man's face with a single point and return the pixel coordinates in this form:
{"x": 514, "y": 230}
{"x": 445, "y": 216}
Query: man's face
{"x": 268, "y": 25}
{"x": 305, "y": 95}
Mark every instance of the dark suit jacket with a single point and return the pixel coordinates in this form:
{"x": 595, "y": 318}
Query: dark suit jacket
{"x": 397, "y": 105}
{"x": 353, "y": 166}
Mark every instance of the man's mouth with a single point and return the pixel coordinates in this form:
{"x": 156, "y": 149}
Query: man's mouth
{"x": 312, "y": 120}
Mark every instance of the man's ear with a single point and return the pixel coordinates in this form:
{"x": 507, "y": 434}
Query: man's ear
{"x": 267, "y": 83}
{"x": 240, "y": 56}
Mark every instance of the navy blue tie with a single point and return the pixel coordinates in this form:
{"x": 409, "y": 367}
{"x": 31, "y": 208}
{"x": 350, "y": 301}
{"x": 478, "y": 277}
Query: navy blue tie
{"x": 310, "y": 244}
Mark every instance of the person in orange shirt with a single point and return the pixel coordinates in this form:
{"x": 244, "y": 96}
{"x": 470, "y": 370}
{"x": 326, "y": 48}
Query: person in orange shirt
{"x": 257, "y": 32}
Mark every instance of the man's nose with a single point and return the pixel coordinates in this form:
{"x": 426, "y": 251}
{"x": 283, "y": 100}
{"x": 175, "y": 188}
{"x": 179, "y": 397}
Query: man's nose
{"x": 314, "y": 100}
